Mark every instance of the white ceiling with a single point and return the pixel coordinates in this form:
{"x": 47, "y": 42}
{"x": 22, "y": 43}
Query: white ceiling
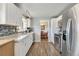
{"x": 44, "y": 10}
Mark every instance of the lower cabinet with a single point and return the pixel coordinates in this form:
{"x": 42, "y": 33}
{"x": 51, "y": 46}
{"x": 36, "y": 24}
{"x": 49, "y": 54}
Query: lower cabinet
{"x": 7, "y": 49}
{"x": 22, "y": 47}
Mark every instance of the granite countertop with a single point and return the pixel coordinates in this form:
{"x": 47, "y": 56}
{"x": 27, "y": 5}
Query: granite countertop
{"x": 16, "y": 37}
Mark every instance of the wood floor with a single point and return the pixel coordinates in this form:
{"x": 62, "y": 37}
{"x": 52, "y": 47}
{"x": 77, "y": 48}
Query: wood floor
{"x": 43, "y": 48}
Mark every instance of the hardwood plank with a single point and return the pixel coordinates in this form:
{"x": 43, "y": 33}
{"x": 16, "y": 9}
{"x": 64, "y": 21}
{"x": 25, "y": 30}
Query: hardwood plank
{"x": 43, "y": 48}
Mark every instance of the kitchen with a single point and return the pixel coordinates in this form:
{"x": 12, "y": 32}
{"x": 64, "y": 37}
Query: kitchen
{"x": 21, "y": 25}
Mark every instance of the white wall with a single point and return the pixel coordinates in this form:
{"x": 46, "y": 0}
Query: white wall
{"x": 49, "y": 31}
{"x": 37, "y": 29}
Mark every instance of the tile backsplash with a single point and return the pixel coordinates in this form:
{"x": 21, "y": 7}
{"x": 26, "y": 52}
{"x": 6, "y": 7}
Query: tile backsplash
{"x": 7, "y": 30}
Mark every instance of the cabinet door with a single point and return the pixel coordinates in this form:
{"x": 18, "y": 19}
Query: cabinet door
{"x": 31, "y": 37}
{"x": 23, "y": 47}
{"x": 20, "y": 48}
{"x": 27, "y": 44}
{"x": 7, "y": 49}
{"x": 17, "y": 51}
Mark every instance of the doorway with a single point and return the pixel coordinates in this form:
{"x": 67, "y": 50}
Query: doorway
{"x": 44, "y": 30}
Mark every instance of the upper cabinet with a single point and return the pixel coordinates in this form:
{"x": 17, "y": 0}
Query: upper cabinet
{"x": 13, "y": 15}
{"x": 2, "y": 13}
{"x": 10, "y": 14}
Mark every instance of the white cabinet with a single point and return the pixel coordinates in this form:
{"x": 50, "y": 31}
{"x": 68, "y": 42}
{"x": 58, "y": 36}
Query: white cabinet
{"x": 10, "y": 14}
{"x": 18, "y": 49}
{"x": 2, "y": 13}
{"x": 13, "y": 15}
{"x": 22, "y": 46}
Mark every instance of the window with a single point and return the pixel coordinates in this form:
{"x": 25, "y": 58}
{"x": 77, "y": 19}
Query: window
{"x": 26, "y": 23}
